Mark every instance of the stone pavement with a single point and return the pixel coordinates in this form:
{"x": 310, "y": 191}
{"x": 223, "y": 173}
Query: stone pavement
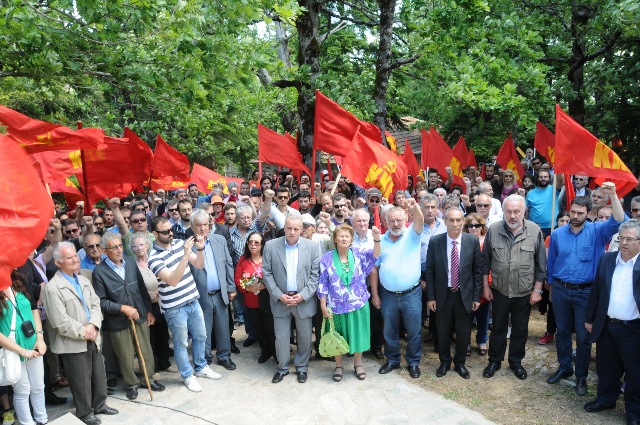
{"x": 247, "y": 396}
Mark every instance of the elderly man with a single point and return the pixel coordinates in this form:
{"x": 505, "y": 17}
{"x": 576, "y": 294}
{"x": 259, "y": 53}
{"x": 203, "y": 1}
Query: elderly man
{"x": 635, "y": 213}
{"x": 125, "y": 302}
{"x": 139, "y": 225}
{"x": 599, "y": 199}
{"x": 169, "y": 260}
{"x": 613, "y": 319}
{"x": 94, "y": 252}
{"x": 172, "y": 211}
{"x": 454, "y": 288}
{"x": 396, "y": 289}
{"x": 216, "y": 288}
{"x": 484, "y": 206}
{"x": 574, "y": 252}
{"x": 73, "y": 311}
{"x": 291, "y": 268}
{"x": 495, "y": 212}
{"x": 515, "y": 256}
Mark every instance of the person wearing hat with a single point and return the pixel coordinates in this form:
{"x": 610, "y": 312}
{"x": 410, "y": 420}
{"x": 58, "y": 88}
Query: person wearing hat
{"x": 218, "y": 209}
{"x": 374, "y": 199}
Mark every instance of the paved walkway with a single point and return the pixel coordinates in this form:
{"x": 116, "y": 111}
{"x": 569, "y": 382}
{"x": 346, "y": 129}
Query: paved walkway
{"x": 247, "y": 396}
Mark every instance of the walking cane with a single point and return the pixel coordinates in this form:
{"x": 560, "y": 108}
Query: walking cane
{"x": 141, "y": 358}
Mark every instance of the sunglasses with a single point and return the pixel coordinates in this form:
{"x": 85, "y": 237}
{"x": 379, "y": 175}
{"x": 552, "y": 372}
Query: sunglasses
{"x": 139, "y": 220}
{"x": 94, "y": 246}
{"x": 69, "y": 232}
{"x": 164, "y": 232}
{"x": 474, "y": 226}
{"x": 254, "y": 242}
{"x": 375, "y": 201}
{"x": 172, "y": 210}
{"x": 635, "y": 210}
{"x": 283, "y": 197}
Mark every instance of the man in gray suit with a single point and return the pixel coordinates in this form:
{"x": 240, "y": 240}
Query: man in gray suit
{"x": 454, "y": 287}
{"x": 216, "y": 288}
{"x": 291, "y": 266}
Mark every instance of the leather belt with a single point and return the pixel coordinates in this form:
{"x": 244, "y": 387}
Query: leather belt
{"x": 574, "y": 285}
{"x": 454, "y": 289}
{"x": 292, "y": 293}
{"x": 213, "y": 292}
{"x": 623, "y": 322}
{"x": 399, "y": 293}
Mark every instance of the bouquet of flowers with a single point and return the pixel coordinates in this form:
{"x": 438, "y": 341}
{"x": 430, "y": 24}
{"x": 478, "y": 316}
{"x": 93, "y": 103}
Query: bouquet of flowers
{"x": 252, "y": 283}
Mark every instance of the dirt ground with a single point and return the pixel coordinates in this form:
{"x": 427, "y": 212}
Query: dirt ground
{"x": 507, "y": 400}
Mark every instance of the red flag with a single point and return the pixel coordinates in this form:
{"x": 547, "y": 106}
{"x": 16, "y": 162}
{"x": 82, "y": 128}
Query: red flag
{"x": 472, "y": 159}
{"x": 508, "y": 158}
{"x": 580, "y": 152}
{"x": 335, "y": 127}
{"x": 370, "y": 164}
{"x": 25, "y": 209}
{"x": 53, "y": 166}
{"x": 545, "y": 142}
{"x": 440, "y": 156}
{"x": 276, "y": 149}
{"x": 410, "y": 160}
{"x": 65, "y": 186}
{"x": 169, "y": 162}
{"x": 461, "y": 153}
{"x": 329, "y": 170}
{"x": 339, "y": 160}
{"x": 167, "y": 183}
{"x": 424, "y": 154}
{"x": 40, "y": 136}
{"x": 206, "y": 178}
{"x": 569, "y": 190}
{"x": 376, "y": 218}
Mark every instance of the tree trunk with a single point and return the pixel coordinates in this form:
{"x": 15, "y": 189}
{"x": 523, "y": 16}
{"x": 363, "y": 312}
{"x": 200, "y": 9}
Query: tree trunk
{"x": 383, "y": 63}
{"x": 580, "y": 16}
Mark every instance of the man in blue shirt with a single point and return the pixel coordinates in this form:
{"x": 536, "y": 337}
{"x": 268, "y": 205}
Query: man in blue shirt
{"x": 94, "y": 252}
{"x": 396, "y": 289}
{"x": 574, "y": 252}
{"x": 540, "y": 201}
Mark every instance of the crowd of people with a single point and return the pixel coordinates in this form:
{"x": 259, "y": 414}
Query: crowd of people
{"x": 157, "y": 275}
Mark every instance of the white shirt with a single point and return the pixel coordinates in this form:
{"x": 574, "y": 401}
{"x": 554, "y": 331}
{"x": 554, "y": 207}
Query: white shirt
{"x": 292, "y": 265}
{"x": 366, "y": 242}
{"x": 496, "y": 209}
{"x": 622, "y": 305}
{"x": 449, "y": 248}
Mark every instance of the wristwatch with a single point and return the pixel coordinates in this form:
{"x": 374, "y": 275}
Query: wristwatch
{"x": 539, "y": 291}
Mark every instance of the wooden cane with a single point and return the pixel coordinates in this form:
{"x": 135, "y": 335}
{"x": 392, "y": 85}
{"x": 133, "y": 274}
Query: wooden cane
{"x": 141, "y": 358}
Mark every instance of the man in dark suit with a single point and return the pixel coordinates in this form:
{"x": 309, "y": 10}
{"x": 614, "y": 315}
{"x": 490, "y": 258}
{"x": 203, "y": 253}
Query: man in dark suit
{"x": 291, "y": 268}
{"x": 454, "y": 287}
{"x": 216, "y": 288}
{"x": 613, "y": 318}
{"x": 123, "y": 298}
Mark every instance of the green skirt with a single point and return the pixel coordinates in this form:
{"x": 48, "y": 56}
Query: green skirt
{"x": 355, "y": 327}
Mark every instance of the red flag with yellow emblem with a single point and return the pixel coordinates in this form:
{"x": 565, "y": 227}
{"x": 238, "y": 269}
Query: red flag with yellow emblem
{"x": 508, "y": 158}
{"x": 545, "y": 142}
{"x": 440, "y": 156}
{"x": 410, "y": 160}
{"x": 206, "y": 178}
{"x": 461, "y": 153}
{"x": 370, "y": 164}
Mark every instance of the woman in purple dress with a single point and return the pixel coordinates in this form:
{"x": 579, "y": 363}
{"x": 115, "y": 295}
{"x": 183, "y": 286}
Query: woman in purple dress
{"x": 343, "y": 289}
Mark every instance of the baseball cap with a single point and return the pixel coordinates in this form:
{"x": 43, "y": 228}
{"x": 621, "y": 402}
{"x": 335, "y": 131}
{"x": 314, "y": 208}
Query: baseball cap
{"x": 374, "y": 192}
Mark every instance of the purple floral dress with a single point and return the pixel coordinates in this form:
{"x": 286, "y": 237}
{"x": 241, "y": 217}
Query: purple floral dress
{"x": 340, "y": 299}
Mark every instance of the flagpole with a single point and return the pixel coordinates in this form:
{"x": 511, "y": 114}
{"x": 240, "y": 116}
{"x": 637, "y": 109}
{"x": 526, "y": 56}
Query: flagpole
{"x": 335, "y": 184}
{"x": 553, "y": 203}
{"x": 259, "y": 170}
{"x": 84, "y": 172}
{"x": 313, "y": 169}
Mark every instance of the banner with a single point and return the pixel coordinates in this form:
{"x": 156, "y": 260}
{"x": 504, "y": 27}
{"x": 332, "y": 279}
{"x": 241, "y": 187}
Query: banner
{"x": 276, "y": 149}
{"x": 206, "y": 178}
{"x": 508, "y": 159}
{"x": 545, "y": 143}
{"x": 167, "y": 161}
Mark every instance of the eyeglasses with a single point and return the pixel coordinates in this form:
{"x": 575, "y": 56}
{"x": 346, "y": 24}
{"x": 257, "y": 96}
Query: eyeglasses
{"x": 580, "y": 178}
{"x": 254, "y": 242}
{"x": 119, "y": 246}
{"x": 483, "y": 205}
{"x": 283, "y": 197}
{"x": 165, "y": 232}
{"x": 137, "y": 247}
{"x": 536, "y": 163}
{"x": 139, "y": 220}
{"x": 375, "y": 201}
{"x": 143, "y": 209}
{"x": 71, "y": 231}
{"x": 622, "y": 239}
{"x": 474, "y": 226}
{"x": 94, "y": 246}
{"x": 635, "y": 210}
{"x": 172, "y": 210}
{"x": 339, "y": 206}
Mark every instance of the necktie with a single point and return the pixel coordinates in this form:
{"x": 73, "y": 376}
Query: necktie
{"x": 455, "y": 266}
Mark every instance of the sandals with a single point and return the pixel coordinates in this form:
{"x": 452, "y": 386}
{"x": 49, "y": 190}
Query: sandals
{"x": 362, "y": 375}
{"x": 61, "y": 382}
{"x": 338, "y": 376}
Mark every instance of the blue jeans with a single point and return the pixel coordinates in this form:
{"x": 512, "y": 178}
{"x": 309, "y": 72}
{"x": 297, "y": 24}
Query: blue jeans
{"x": 183, "y": 320}
{"x": 409, "y": 307}
{"x": 482, "y": 321}
{"x": 568, "y": 304}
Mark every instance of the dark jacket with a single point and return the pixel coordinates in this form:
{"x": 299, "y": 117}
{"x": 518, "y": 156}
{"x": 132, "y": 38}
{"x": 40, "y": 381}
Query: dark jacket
{"x": 114, "y": 292}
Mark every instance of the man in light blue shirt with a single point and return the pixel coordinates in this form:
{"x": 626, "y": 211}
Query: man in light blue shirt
{"x": 540, "y": 201}
{"x": 396, "y": 289}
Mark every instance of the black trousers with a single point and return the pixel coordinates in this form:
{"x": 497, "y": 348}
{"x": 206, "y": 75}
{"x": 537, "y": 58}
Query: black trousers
{"x": 617, "y": 352}
{"x": 87, "y": 379}
{"x": 519, "y": 309}
{"x": 453, "y": 314}
{"x": 160, "y": 339}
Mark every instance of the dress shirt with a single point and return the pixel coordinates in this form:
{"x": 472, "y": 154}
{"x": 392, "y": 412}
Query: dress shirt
{"x": 88, "y": 264}
{"x": 622, "y": 304}
{"x": 213, "y": 281}
{"x": 292, "y": 265}
{"x": 427, "y": 234}
{"x": 113, "y": 266}
{"x": 73, "y": 280}
{"x": 449, "y": 248}
{"x": 366, "y": 242}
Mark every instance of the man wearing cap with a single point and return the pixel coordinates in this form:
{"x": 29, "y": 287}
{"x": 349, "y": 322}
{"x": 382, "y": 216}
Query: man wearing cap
{"x": 374, "y": 198}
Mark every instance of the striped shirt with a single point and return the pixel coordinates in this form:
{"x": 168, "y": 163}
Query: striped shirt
{"x": 239, "y": 241}
{"x": 185, "y": 291}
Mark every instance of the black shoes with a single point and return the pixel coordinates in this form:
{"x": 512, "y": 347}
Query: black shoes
{"x": 320, "y": 357}
{"x": 53, "y": 400}
{"x": 388, "y": 367}
{"x": 519, "y": 371}
{"x": 248, "y": 342}
{"x": 91, "y": 419}
{"x": 442, "y": 370}
{"x": 377, "y": 352}
{"x": 302, "y": 377}
{"x": 581, "y": 386}
{"x": 263, "y": 358}
{"x": 156, "y": 386}
{"x": 235, "y": 349}
{"x": 278, "y": 377}
{"x": 106, "y": 410}
{"x": 595, "y": 406}
{"x": 227, "y": 364}
{"x": 491, "y": 369}
{"x": 462, "y": 371}
{"x": 414, "y": 371}
{"x": 132, "y": 393}
{"x": 559, "y": 376}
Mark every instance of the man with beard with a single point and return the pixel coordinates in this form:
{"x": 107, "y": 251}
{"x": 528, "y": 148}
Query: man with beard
{"x": 515, "y": 256}
{"x": 598, "y": 200}
{"x": 574, "y": 252}
{"x": 580, "y": 188}
{"x": 340, "y": 211}
{"x": 230, "y": 215}
{"x": 303, "y": 202}
{"x": 182, "y": 229}
{"x": 396, "y": 289}
{"x": 540, "y": 201}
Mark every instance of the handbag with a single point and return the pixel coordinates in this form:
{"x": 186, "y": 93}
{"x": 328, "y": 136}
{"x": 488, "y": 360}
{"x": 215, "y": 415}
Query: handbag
{"x": 10, "y": 368}
{"x": 331, "y": 342}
